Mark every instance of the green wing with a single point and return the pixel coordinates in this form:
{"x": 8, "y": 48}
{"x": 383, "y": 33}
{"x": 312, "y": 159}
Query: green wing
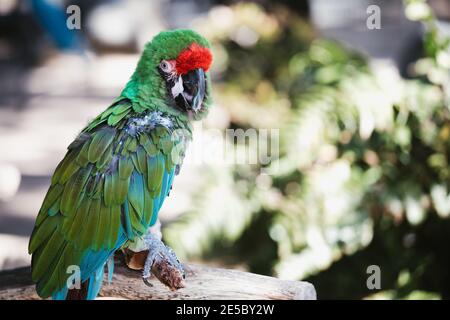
{"x": 108, "y": 189}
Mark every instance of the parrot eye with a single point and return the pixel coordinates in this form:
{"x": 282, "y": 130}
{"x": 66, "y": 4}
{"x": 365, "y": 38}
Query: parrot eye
{"x": 166, "y": 66}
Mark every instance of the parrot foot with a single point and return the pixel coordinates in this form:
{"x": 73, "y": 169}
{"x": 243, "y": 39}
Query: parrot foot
{"x": 163, "y": 263}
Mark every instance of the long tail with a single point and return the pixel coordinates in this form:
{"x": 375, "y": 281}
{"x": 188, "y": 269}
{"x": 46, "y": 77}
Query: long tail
{"x": 89, "y": 289}
{"x": 93, "y": 264}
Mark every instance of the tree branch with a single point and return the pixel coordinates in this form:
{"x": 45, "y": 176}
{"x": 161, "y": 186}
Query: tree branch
{"x": 201, "y": 283}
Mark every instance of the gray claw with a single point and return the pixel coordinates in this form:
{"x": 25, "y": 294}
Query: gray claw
{"x": 174, "y": 261}
{"x": 159, "y": 254}
{"x": 147, "y": 283}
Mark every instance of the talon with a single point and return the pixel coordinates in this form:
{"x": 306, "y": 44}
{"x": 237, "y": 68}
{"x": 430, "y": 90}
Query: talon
{"x": 162, "y": 262}
{"x": 147, "y": 283}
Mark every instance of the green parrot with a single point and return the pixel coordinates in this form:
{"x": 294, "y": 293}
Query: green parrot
{"x": 107, "y": 191}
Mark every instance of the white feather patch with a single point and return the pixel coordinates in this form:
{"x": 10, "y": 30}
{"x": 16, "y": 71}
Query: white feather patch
{"x": 178, "y": 87}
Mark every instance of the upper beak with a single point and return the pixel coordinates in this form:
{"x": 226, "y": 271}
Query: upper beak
{"x": 193, "y": 90}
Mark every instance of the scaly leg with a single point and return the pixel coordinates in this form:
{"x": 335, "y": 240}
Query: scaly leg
{"x": 151, "y": 255}
{"x": 163, "y": 263}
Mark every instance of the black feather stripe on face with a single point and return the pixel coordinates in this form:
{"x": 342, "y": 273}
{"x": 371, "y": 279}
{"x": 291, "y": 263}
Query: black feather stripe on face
{"x": 170, "y": 80}
{"x": 186, "y": 92}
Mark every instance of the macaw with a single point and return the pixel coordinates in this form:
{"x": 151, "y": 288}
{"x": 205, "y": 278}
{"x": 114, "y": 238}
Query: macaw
{"x": 108, "y": 189}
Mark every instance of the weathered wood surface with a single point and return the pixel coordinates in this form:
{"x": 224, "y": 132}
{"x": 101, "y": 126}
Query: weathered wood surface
{"x": 201, "y": 283}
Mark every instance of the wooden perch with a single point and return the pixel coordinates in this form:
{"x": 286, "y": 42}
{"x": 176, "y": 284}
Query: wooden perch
{"x": 201, "y": 283}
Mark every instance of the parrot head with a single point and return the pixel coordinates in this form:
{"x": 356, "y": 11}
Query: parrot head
{"x": 174, "y": 67}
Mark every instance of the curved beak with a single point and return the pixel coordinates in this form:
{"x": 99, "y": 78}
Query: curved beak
{"x": 190, "y": 89}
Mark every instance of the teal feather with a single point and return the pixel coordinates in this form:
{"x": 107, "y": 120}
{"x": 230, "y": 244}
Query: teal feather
{"x": 114, "y": 178}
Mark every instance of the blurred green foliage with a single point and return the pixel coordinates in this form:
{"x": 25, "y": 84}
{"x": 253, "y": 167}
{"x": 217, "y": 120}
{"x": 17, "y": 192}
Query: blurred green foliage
{"x": 362, "y": 175}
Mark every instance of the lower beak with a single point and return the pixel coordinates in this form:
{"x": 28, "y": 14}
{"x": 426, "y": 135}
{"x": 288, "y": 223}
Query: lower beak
{"x": 194, "y": 88}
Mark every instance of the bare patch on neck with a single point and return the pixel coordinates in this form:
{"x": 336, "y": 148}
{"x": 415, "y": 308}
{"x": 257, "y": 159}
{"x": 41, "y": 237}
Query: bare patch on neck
{"x": 148, "y": 122}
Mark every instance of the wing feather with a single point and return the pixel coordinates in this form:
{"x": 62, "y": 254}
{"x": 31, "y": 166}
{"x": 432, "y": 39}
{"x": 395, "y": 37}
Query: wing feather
{"x": 108, "y": 189}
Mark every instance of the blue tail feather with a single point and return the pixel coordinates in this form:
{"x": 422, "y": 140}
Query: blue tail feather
{"x": 92, "y": 269}
{"x": 95, "y": 283}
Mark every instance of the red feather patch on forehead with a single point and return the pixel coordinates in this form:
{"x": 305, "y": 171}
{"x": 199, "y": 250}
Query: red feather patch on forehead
{"x": 194, "y": 57}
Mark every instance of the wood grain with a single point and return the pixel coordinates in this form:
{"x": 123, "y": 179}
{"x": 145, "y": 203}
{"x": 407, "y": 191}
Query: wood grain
{"x": 201, "y": 282}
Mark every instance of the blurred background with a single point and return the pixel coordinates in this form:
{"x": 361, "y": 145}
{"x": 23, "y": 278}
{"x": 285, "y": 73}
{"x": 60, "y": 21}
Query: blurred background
{"x": 362, "y": 176}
